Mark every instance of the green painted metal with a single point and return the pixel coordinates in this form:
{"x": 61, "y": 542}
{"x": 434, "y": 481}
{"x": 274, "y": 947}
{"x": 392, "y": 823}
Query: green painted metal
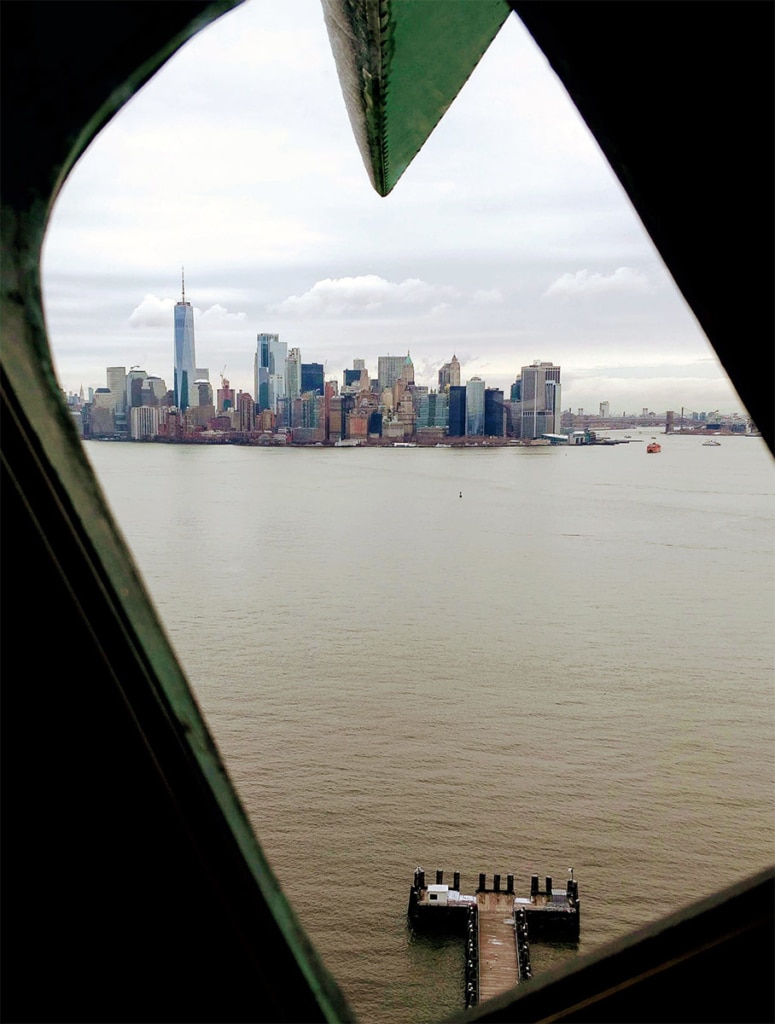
{"x": 401, "y": 63}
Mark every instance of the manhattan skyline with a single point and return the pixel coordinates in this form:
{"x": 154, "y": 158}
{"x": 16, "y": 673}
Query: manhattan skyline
{"x": 267, "y": 204}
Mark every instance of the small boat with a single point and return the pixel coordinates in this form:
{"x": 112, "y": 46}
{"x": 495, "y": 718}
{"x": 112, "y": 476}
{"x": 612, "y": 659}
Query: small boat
{"x": 653, "y": 448}
{"x": 711, "y": 444}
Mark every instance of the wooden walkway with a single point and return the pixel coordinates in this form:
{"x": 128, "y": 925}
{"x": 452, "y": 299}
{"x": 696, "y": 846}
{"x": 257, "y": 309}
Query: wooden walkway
{"x": 498, "y": 968}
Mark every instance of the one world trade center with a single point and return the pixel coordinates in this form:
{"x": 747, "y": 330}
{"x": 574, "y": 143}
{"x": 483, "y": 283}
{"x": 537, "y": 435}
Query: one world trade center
{"x": 185, "y": 363}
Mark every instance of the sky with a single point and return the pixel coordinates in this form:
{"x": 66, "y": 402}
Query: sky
{"x": 507, "y": 240}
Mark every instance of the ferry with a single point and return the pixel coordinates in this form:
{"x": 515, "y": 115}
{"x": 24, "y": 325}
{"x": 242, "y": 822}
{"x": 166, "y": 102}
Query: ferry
{"x": 653, "y": 448}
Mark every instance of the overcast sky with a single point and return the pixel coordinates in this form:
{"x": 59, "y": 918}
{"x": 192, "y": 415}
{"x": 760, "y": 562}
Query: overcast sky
{"x": 508, "y": 238}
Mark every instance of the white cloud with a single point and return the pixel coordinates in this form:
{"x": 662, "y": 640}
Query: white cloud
{"x": 155, "y": 312}
{"x": 219, "y": 316}
{"x": 439, "y": 309}
{"x": 488, "y": 297}
{"x": 333, "y": 296}
{"x": 152, "y": 312}
{"x": 590, "y": 283}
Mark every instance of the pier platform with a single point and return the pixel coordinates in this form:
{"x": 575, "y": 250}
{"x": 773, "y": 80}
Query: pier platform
{"x": 496, "y": 924}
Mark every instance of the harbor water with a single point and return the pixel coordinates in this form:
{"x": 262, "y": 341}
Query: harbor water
{"x": 513, "y": 660}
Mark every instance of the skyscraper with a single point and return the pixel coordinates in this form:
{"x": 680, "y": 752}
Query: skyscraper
{"x": 312, "y": 377}
{"x": 449, "y": 374}
{"x": 494, "y": 413}
{"x": 540, "y": 396}
{"x": 293, "y": 374}
{"x": 269, "y": 370}
{"x": 389, "y": 370}
{"x": 185, "y": 360}
{"x": 117, "y": 383}
{"x": 457, "y": 410}
{"x": 475, "y": 407}
{"x": 134, "y": 387}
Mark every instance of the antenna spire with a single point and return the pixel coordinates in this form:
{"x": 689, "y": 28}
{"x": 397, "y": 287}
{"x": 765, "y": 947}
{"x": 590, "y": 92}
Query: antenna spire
{"x": 183, "y": 283}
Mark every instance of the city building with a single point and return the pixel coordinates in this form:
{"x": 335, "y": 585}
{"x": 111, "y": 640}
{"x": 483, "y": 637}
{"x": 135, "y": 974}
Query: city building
{"x": 144, "y": 422}
{"x": 605, "y": 410}
{"x": 432, "y": 411}
{"x": 153, "y": 392}
{"x": 116, "y": 380}
{"x": 185, "y": 359}
{"x": 293, "y": 374}
{"x": 494, "y": 413}
{"x": 312, "y": 377}
{"x": 134, "y": 387}
{"x": 101, "y": 414}
{"x": 246, "y": 412}
{"x": 407, "y": 371}
{"x": 269, "y": 370}
{"x": 540, "y": 410}
{"x": 475, "y": 407}
{"x": 457, "y": 410}
{"x": 225, "y": 397}
{"x": 449, "y": 374}
{"x": 389, "y": 370}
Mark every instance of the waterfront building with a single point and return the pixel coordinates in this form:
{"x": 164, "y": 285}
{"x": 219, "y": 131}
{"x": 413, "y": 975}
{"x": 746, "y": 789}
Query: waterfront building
{"x": 340, "y": 407}
{"x": 389, "y": 370}
{"x": 144, "y": 422}
{"x": 246, "y": 412}
{"x": 335, "y": 418}
{"x": 475, "y": 407}
{"x": 457, "y": 410}
{"x": 101, "y": 414}
{"x": 449, "y": 375}
{"x": 605, "y": 410}
{"x": 433, "y": 411}
{"x": 375, "y": 424}
{"x": 494, "y": 413}
{"x": 358, "y": 423}
{"x": 540, "y": 398}
{"x": 185, "y": 359}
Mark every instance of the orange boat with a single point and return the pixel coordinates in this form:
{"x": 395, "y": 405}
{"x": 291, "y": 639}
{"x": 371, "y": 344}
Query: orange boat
{"x": 653, "y": 448}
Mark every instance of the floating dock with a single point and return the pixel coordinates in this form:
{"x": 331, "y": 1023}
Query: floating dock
{"x": 496, "y": 924}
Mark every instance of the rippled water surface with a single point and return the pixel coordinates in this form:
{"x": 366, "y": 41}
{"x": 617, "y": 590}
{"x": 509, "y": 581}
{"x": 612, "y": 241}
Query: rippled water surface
{"x": 571, "y": 664}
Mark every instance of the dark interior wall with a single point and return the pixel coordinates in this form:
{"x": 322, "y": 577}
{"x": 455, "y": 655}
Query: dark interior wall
{"x": 130, "y": 890}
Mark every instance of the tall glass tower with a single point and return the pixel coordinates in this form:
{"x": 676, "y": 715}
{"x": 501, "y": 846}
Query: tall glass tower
{"x": 269, "y": 369}
{"x": 185, "y": 361}
{"x": 475, "y": 406}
